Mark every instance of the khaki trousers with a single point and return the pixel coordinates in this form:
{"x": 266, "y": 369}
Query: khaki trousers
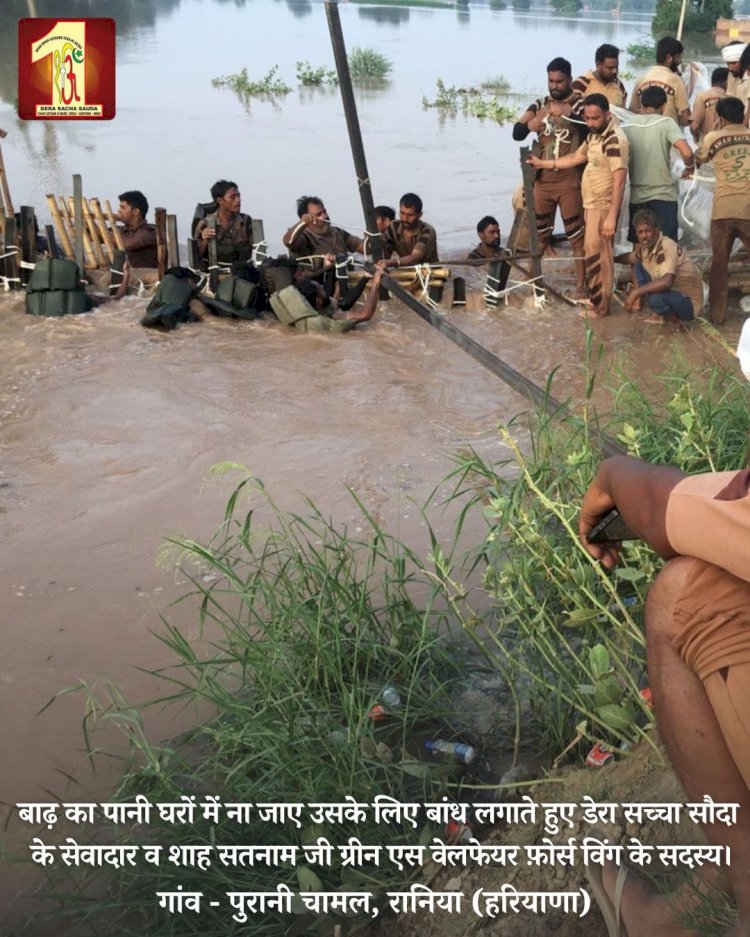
{"x": 599, "y": 260}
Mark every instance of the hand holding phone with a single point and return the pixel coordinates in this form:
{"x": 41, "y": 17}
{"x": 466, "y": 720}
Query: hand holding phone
{"x": 611, "y": 529}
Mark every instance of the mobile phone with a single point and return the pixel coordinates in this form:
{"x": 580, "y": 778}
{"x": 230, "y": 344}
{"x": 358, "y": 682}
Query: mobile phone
{"x": 611, "y": 529}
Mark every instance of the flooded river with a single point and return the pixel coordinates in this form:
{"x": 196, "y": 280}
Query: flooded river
{"x": 109, "y": 430}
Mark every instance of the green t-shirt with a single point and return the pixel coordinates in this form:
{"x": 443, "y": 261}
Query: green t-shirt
{"x": 651, "y": 138}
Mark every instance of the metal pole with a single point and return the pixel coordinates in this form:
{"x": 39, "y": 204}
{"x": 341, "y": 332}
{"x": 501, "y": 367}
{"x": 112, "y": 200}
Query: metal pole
{"x": 352, "y": 123}
{"x": 528, "y": 188}
{"x": 514, "y": 379}
{"x": 78, "y": 219}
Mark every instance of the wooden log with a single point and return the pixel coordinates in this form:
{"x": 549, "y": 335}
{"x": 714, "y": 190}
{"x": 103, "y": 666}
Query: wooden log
{"x": 54, "y": 250}
{"x": 94, "y": 237}
{"x": 28, "y": 240}
{"x": 59, "y": 224}
{"x": 160, "y": 216}
{"x": 7, "y": 201}
{"x": 12, "y": 250}
{"x": 497, "y": 275}
{"x": 173, "y": 244}
{"x": 113, "y": 223}
{"x": 106, "y": 234}
{"x": 528, "y": 188}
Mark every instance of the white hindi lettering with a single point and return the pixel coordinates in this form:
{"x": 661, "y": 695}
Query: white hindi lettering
{"x": 594, "y": 812}
{"x": 281, "y": 813}
{"x": 549, "y": 853}
{"x": 710, "y": 812}
{"x": 40, "y": 853}
{"x": 136, "y": 811}
{"x": 423, "y": 898}
{"x": 38, "y": 814}
{"x": 493, "y": 903}
{"x": 443, "y": 813}
{"x": 389, "y": 810}
{"x": 558, "y": 815}
{"x": 179, "y": 901}
{"x": 182, "y": 811}
{"x": 80, "y": 813}
{"x": 191, "y": 856}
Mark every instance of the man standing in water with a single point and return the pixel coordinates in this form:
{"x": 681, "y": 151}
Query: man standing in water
{"x": 698, "y": 649}
{"x": 605, "y": 155}
{"x": 227, "y": 225}
{"x": 138, "y": 237}
{"x": 412, "y": 240}
{"x": 665, "y": 75}
{"x": 488, "y": 247}
{"x": 314, "y": 236}
{"x": 558, "y": 122}
{"x": 604, "y": 80}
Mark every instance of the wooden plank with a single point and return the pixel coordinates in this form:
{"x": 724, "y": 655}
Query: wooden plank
{"x": 93, "y": 235}
{"x": 528, "y": 188}
{"x": 160, "y": 216}
{"x": 28, "y": 240}
{"x": 57, "y": 220}
{"x": 106, "y": 234}
{"x": 173, "y": 244}
{"x": 113, "y": 224}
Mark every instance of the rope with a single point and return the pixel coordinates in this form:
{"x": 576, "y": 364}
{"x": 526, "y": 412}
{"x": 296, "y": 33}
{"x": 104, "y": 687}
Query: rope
{"x": 11, "y": 253}
{"x": 423, "y": 272}
{"x": 260, "y": 252}
{"x": 492, "y": 295}
{"x": 8, "y": 280}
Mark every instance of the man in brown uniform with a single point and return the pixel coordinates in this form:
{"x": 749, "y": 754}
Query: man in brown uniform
{"x": 558, "y": 122}
{"x": 488, "y": 247}
{"x": 698, "y": 649}
{"x": 605, "y": 154}
{"x": 231, "y": 229}
{"x": 138, "y": 237}
{"x": 411, "y": 239}
{"x": 664, "y": 75}
{"x": 314, "y": 236}
{"x": 704, "y": 118}
{"x": 603, "y": 80}
{"x": 729, "y": 151}
{"x": 664, "y": 276}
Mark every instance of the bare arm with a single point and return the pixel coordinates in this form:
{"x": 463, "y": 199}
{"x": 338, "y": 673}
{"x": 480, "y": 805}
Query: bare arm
{"x": 371, "y": 301}
{"x": 609, "y": 225}
{"x": 640, "y": 492}
{"x": 564, "y": 162}
{"x": 684, "y": 118}
{"x": 685, "y": 151}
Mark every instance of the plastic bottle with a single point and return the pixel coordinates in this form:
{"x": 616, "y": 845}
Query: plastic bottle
{"x": 391, "y": 698}
{"x": 458, "y": 750}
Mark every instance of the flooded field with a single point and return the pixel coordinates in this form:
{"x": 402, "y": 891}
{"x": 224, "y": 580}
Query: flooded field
{"x": 108, "y": 431}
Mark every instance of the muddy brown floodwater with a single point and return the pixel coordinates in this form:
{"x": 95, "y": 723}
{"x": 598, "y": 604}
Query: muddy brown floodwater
{"x": 109, "y": 431}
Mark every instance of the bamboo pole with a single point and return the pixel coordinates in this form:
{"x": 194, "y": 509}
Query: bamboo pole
{"x": 106, "y": 234}
{"x": 213, "y": 265}
{"x": 352, "y": 125}
{"x": 54, "y": 250}
{"x": 160, "y": 216}
{"x": 96, "y": 243}
{"x": 62, "y": 231}
{"x": 173, "y": 244}
{"x": 5, "y": 187}
{"x": 113, "y": 224}
{"x": 70, "y": 208}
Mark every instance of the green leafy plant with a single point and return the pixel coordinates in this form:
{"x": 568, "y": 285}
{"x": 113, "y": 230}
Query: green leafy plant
{"x": 451, "y": 100}
{"x": 367, "y": 65}
{"x": 307, "y": 75}
{"x": 241, "y": 84}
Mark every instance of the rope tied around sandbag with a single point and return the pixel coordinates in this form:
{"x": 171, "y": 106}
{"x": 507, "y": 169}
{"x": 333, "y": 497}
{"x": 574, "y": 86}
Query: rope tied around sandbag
{"x": 423, "y": 273}
{"x": 492, "y": 294}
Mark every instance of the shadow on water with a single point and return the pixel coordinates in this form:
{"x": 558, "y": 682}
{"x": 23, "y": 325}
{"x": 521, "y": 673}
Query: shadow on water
{"x": 300, "y": 8}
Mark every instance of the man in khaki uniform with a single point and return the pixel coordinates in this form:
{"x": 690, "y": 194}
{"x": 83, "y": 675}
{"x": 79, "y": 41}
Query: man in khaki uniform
{"x": 731, "y": 53}
{"x": 664, "y": 276}
{"x": 605, "y": 154}
{"x": 664, "y": 75}
{"x": 603, "y": 80}
{"x": 729, "y": 151}
{"x": 314, "y": 237}
{"x": 558, "y": 122}
{"x": 704, "y": 118}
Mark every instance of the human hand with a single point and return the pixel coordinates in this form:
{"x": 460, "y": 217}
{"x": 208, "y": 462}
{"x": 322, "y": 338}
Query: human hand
{"x": 536, "y": 162}
{"x": 329, "y": 260}
{"x": 596, "y": 503}
{"x": 609, "y": 227}
{"x": 208, "y": 233}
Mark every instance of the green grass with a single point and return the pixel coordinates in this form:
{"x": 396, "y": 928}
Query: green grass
{"x": 241, "y": 84}
{"x": 309, "y": 76}
{"x": 484, "y": 102}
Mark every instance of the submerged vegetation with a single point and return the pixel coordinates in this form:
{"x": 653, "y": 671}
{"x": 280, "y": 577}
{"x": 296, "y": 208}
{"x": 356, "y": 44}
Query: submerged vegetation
{"x": 303, "y": 625}
{"x": 488, "y": 100}
{"x": 309, "y": 76}
{"x": 241, "y": 84}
